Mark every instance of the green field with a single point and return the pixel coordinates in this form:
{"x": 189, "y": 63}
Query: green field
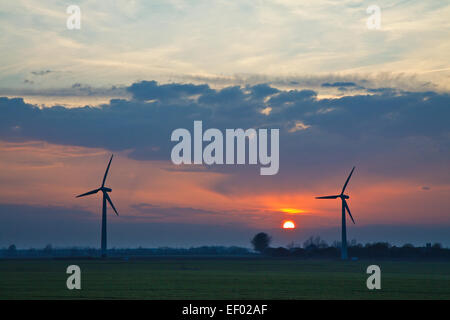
{"x": 222, "y": 278}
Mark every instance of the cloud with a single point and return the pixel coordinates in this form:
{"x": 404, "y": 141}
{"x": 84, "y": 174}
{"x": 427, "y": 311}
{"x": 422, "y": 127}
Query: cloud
{"x": 157, "y": 212}
{"x": 343, "y": 86}
{"x": 41, "y": 72}
{"x": 299, "y": 126}
{"x": 370, "y": 80}
{"x": 339, "y": 84}
{"x": 75, "y": 90}
{"x": 388, "y": 113}
{"x": 262, "y": 90}
{"x": 272, "y": 38}
{"x": 150, "y": 90}
{"x": 397, "y": 126}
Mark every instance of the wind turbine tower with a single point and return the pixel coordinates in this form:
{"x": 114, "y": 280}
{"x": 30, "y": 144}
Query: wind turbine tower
{"x": 106, "y": 197}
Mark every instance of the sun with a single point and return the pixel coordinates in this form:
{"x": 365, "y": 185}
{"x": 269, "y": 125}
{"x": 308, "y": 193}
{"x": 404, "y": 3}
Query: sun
{"x": 288, "y": 224}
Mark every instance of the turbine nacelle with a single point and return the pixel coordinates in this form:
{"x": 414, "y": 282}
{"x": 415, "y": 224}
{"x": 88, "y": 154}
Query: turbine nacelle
{"x": 102, "y": 188}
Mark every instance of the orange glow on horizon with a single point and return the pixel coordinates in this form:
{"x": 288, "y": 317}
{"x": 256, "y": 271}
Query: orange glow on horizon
{"x": 292, "y": 210}
{"x": 41, "y": 174}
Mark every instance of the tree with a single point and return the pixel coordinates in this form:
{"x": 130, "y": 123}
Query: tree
{"x": 316, "y": 242}
{"x": 261, "y": 241}
{"x": 437, "y": 246}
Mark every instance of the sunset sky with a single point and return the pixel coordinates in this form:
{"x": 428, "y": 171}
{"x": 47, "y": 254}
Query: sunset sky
{"x": 342, "y": 95}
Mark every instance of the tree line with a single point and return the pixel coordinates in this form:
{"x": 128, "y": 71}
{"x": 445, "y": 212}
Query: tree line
{"x": 49, "y": 251}
{"x": 315, "y": 247}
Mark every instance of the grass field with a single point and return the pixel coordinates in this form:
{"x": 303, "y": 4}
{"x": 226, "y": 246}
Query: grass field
{"x": 222, "y": 278}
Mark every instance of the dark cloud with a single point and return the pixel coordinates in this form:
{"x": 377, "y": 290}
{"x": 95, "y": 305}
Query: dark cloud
{"x": 386, "y": 91}
{"x": 41, "y": 72}
{"x": 157, "y": 212}
{"x": 76, "y": 90}
{"x": 150, "y": 90}
{"x": 404, "y": 82}
{"x": 339, "y": 84}
{"x": 292, "y": 96}
{"x": 262, "y": 90}
{"x": 344, "y": 86}
{"x": 391, "y": 132}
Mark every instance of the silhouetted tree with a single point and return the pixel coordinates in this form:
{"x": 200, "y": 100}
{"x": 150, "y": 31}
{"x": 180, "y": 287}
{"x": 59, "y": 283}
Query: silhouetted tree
{"x": 437, "y": 246}
{"x": 315, "y": 242}
{"x": 261, "y": 241}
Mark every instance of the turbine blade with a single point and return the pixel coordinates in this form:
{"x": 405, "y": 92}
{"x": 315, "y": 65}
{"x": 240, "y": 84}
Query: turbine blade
{"x": 106, "y": 172}
{"x": 88, "y": 193}
{"x": 348, "y": 179}
{"x": 110, "y": 202}
{"x": 348, "y": 210}
{"x": 328, "y": 197}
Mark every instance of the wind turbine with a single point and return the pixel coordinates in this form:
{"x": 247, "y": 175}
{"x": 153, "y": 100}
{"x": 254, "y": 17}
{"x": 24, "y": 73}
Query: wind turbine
{"x": 343, "y": 196}
{"x": 106, "y": 197}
